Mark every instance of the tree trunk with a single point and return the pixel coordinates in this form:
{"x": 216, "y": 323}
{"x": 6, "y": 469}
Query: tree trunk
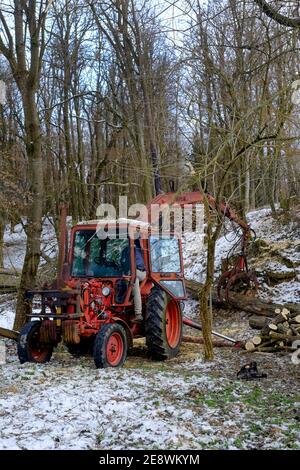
{"x": 2, "y": 227}
{"x": 247, "y": 185}
{"x": 205, "y": 291}
{"x": 35, "y": 205}
{"x": 205, "y": 310}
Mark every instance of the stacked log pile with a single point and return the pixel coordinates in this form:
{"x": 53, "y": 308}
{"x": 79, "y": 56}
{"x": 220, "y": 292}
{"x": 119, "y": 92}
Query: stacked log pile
{"x": 276, "y": 334}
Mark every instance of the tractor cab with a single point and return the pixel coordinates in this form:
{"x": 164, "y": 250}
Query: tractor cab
{"x": 103, "y": 253}
{"x": 106, "y": 251}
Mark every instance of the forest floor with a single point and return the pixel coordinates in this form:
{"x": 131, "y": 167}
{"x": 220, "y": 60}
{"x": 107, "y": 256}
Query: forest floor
{"x": 183, "y": 403}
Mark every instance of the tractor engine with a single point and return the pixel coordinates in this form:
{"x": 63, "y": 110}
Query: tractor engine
{"x": 96, "y": 300}
{"x": 95, "y": 303}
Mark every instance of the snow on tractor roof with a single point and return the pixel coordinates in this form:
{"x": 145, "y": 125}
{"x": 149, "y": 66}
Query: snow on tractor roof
{"x": 121, "y": 220}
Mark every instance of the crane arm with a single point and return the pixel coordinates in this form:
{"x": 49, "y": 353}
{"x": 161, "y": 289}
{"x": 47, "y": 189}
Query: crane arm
{"x": 240, "y": 271}
{"x": 195, "y": 197}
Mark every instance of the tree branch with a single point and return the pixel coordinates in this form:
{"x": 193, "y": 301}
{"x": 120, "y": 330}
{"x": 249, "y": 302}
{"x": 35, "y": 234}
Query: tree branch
{"x": 275, "y": 15}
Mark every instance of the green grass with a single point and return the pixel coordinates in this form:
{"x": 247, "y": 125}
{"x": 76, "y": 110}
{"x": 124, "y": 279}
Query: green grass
{"x": 261, "y": 412}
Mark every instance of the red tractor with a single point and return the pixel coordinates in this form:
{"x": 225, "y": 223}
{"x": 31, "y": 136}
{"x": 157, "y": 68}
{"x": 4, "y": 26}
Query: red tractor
{"x": 91, "y": 309}
{"x": 93, "y": 312}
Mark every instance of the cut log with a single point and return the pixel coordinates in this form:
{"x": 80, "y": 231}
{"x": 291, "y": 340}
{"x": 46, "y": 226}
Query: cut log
{"x": 243, "y": 302}
{"x": 9, "y": 280}
{"x": 283, "y": 329}
{"x": 257, "y": 322}
{"x": 285, "y": 313}
{"x": 272, "y": 327}
{"x": 294, "y": 330}
{"x": 296, "y": 319}
{"x": 256, "y": 340}
{"x": 279, "y": 336}
{"x": 9, "y": 272}
{"x": 273, "y": 349}
{"x": 249, "y": 346}
{"x": 279, "y": 319}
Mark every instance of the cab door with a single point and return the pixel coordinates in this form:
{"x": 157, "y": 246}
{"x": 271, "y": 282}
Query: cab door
{"x": 166, "y": 266}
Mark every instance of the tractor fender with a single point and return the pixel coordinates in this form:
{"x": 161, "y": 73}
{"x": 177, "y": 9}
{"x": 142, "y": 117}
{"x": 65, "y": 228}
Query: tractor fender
{"x": 127, "y": 329}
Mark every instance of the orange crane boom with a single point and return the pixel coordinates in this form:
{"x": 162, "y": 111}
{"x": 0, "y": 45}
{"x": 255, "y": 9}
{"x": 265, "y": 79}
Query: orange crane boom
{"x": 240, "y": 271}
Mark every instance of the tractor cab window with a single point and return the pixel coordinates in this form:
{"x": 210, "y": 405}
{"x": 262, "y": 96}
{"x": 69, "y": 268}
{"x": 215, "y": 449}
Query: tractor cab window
{"x": 94, "y": 257}
{"x": 165, "y": 255}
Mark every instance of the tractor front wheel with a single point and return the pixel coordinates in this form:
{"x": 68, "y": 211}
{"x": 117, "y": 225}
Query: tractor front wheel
{"x": 29, "y": 347}
{"x": 110, "y": 347}
{"x": 163, "y": 326}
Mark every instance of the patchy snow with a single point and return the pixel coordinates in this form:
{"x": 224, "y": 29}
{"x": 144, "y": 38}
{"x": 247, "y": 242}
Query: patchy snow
{"x": 286, "y": 236}
{"x": 195, "y": 258}
{"x": 7, "y": 312}
{"x": 285, "y": 292}
{"x": 15, "y": 244}
{"x": 278, "y": 267}
{"x": 182, "y": 404}
{"x": 273, "y": 229}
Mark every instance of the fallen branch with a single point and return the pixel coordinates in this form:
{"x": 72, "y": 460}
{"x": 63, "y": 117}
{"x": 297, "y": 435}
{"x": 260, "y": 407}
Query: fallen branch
{"x": 243, "y": 302}
{"x": 198, "y": 340}
{"x": 10, "y": 334}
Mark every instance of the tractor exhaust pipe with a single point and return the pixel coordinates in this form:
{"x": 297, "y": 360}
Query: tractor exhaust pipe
{"x": 197, "y": 326}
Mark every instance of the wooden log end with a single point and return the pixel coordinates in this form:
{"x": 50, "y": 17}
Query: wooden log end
{"x": 249, "y": 346}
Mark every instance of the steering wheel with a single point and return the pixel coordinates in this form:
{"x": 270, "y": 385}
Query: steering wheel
{"x": 112, "y": 264}
{"x": 109, "y": 264}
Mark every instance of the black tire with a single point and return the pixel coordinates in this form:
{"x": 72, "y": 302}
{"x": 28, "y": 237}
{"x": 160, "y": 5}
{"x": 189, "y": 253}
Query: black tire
{"x": 29, "y": 348}
{"x": 84, "y": 348}
{"x": 110, "y": 337}
{"x": 159, "y": 346}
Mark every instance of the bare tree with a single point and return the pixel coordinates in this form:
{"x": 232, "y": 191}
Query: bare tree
{"x": 24, "y": 53}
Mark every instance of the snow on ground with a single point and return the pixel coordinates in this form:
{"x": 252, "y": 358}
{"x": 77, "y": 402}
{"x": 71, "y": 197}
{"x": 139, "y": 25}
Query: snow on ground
{"x": 285, "y": 292}
{"x": 184, "y": 403}
{"x": 7, "y": 312}
{"x": 195, "y": 258}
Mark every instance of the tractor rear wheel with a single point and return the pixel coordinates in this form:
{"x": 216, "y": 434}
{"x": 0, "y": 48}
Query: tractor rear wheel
{"x": 110, "y": 347}
{"x": 29, "y": 347}
{"x": 163, "y": 326}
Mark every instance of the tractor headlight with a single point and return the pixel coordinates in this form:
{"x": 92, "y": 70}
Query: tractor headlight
{"x": 106, "y": 291}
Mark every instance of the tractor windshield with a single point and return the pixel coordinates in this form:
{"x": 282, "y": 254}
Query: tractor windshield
{"x": 93, "y": 257}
